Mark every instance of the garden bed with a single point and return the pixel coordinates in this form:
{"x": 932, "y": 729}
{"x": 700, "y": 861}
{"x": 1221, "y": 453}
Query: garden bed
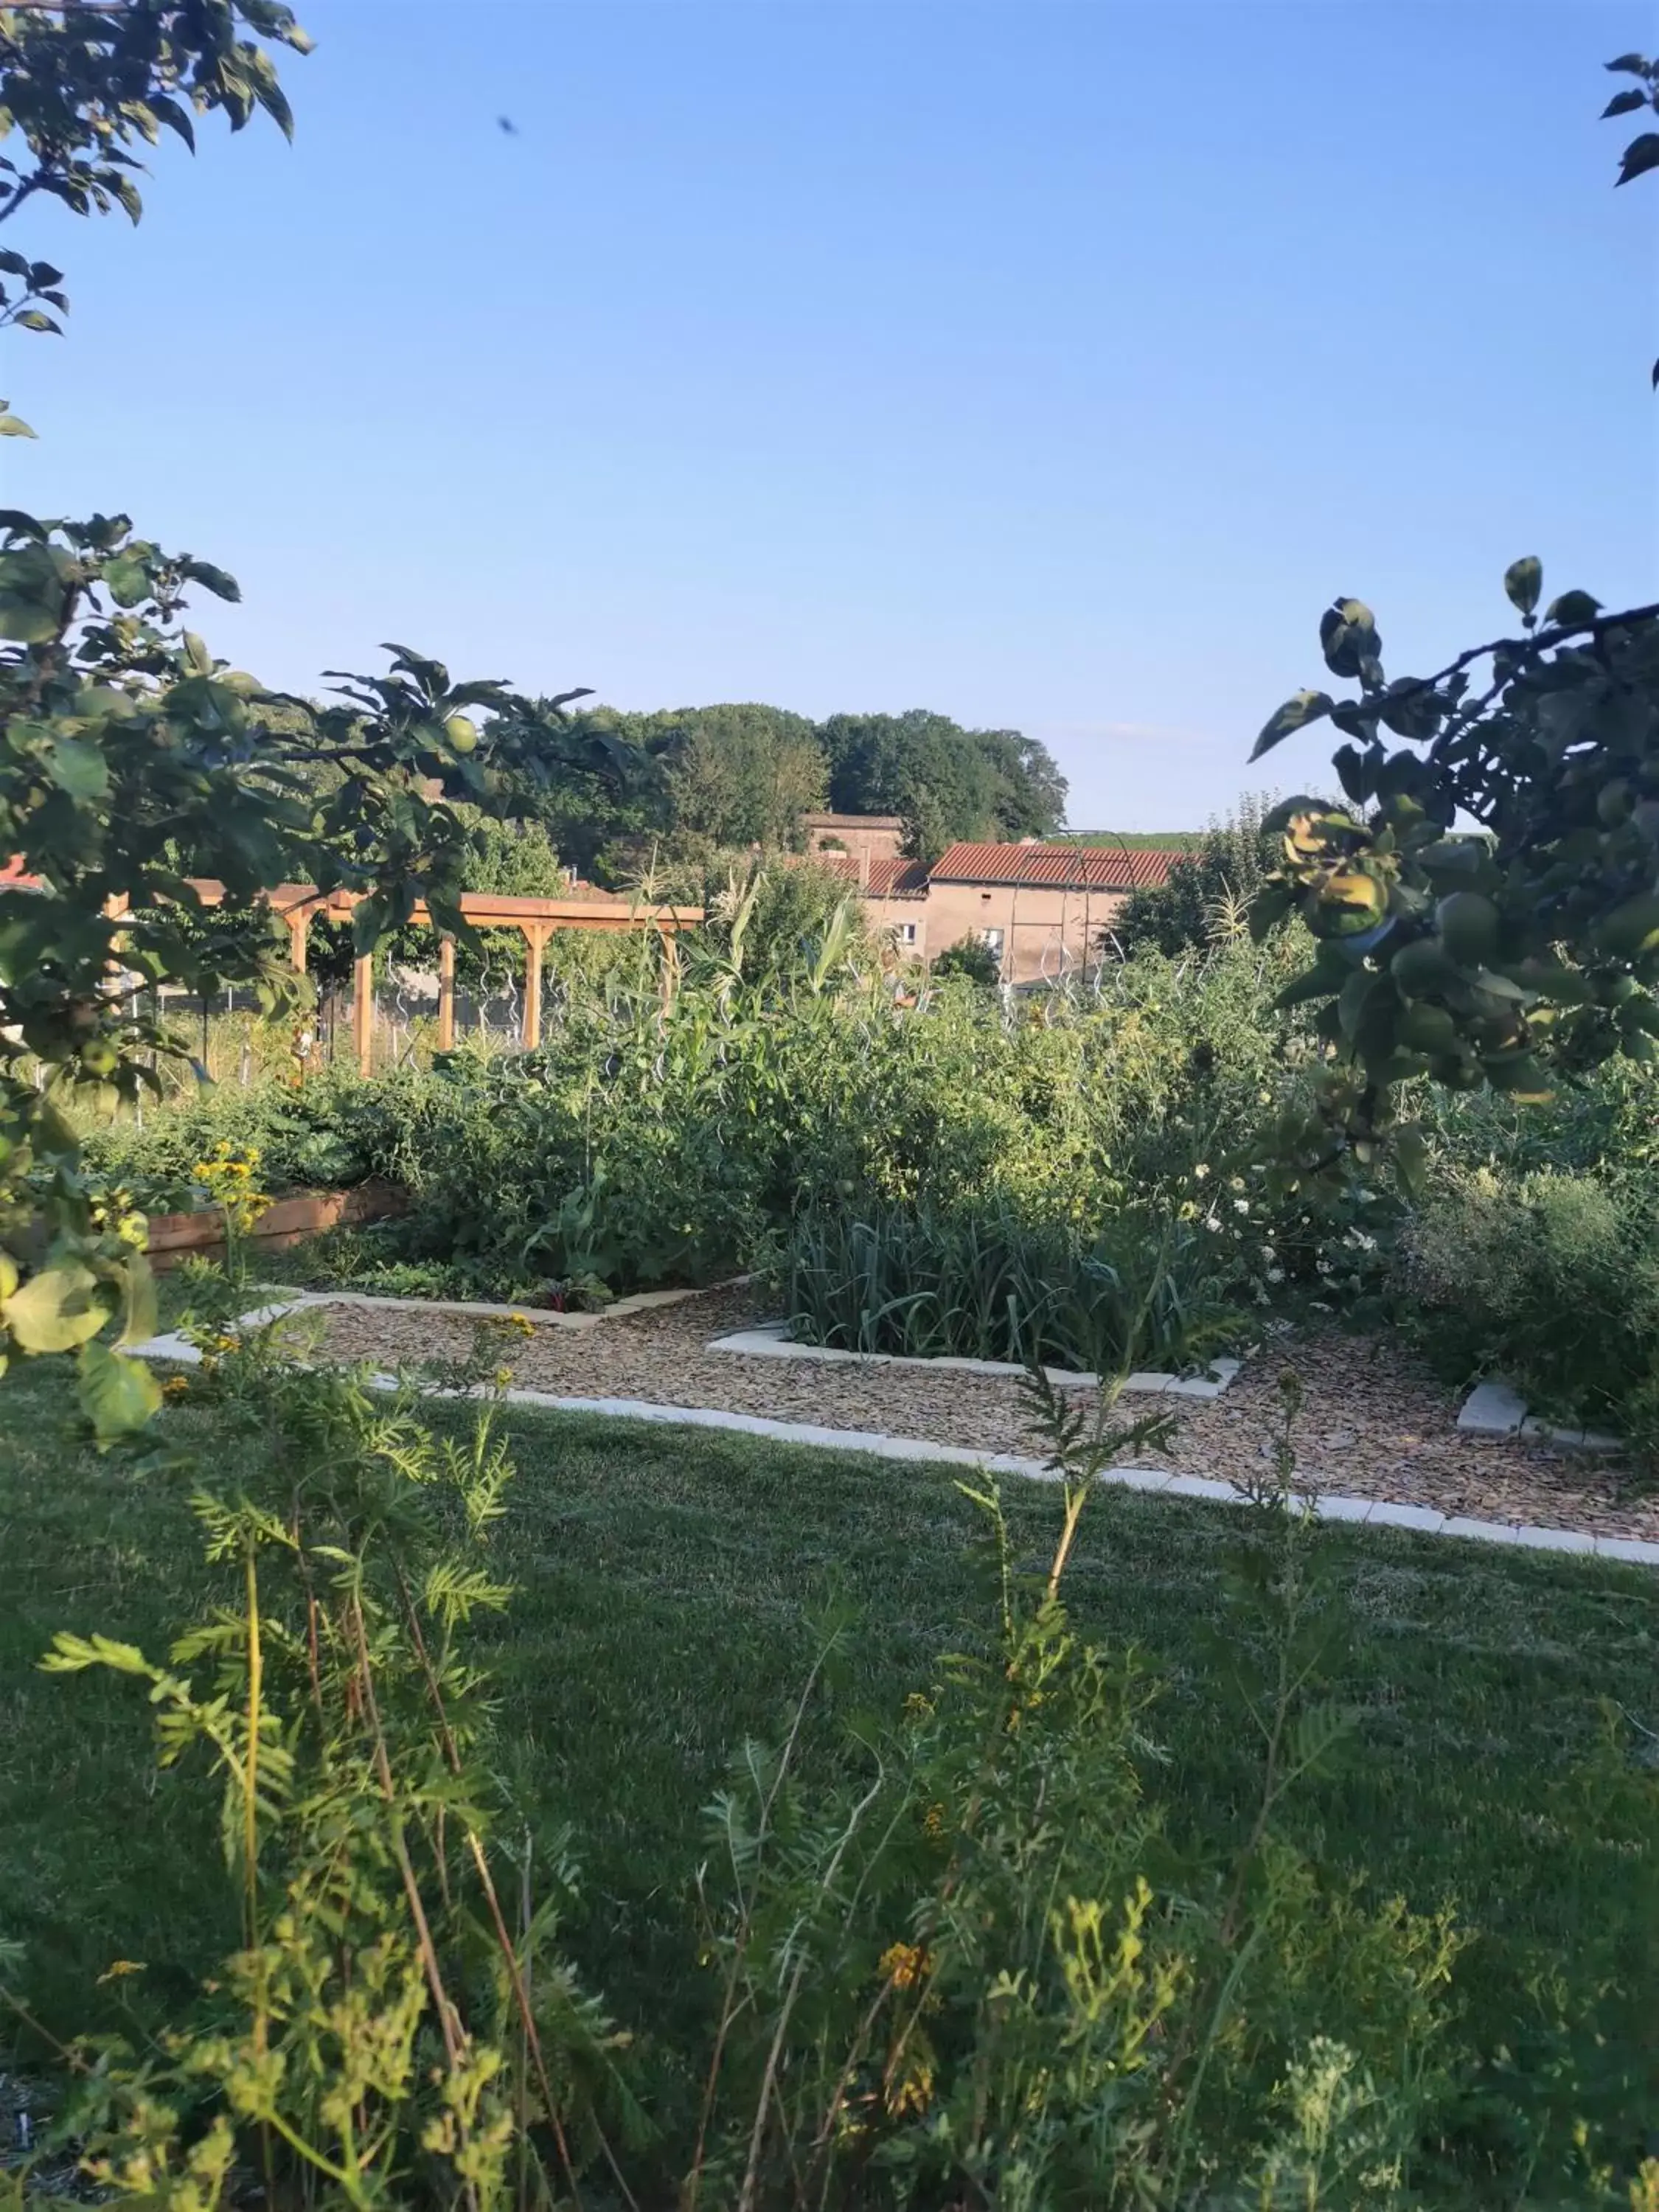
{"x": 200, "y": 1234}
{"x": 1375, "y": 1422}
{"x": 772, "y": 1341}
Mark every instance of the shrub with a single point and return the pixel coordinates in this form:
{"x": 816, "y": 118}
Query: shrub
{"x": 1206, "y": 898}
{"x": 972, "y": 958}
{"x": 1551, "y": 1279}
{"x": 333, "y": 1131}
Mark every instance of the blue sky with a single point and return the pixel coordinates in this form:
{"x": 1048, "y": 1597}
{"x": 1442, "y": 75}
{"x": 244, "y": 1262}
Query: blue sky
{"x": 1048, "y": 365}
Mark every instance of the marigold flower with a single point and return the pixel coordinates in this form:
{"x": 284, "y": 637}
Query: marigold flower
{"x": 903, "y": 1964}
{"x": 914, "y": 2090}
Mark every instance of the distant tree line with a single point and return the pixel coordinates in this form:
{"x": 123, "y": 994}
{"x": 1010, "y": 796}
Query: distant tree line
{"x": 699, "y": 781}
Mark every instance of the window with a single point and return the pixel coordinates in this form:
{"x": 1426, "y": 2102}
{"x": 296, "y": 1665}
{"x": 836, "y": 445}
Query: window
{"x": 992, "y": 938}
{"x": 905, "y": 932}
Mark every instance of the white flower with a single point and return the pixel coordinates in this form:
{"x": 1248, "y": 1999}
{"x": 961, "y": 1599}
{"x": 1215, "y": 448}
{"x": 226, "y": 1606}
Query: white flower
{"x": 1200, "y": 1172}
{"x": 1269, "y": 1253}
{"x": 1275, "y": 1274}
{"x": 1241, "y": 1205}
{"x": 1238, "y": 1183}
{"x": 1211, "y": 1221}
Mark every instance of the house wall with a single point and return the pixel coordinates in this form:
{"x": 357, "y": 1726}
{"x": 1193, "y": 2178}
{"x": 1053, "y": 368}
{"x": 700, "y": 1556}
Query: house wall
{"x": 899, "y": 914}
{"x": 867, "y": 837}
{"x": 1046, "y": 932}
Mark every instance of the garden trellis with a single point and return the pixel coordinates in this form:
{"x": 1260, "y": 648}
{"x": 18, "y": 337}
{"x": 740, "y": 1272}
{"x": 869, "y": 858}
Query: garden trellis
{"x": 296, "y": 905}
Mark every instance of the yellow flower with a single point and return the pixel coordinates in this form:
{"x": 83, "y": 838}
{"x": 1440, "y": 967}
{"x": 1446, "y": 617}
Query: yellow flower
{"x": 932, "y": 1820}
{"x": 119, "y": 1969}
{"x": 914, "y": 2090}
{"x": 176, "y": 1385}
{"x": 903, "y": 1964}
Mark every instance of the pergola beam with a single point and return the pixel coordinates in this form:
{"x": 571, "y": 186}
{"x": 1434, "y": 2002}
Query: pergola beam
{"x": 536, "y": 918}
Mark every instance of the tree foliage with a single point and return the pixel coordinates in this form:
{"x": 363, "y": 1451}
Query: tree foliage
{"x": 132, "y": 760}
{"x": 947, "y": 783}
{"x": 742, "y": 775}
{"x": 711, "y": 779}
{"x": 82, "y": 86}
{"x": 1512, "y": 954}
{"x": 1206, "y": 898}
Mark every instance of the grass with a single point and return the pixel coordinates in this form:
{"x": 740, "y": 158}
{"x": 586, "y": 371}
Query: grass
{"x": 669, "y": 1585}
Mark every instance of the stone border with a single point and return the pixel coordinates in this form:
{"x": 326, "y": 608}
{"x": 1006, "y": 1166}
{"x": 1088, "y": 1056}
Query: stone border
{"x": 1497, "y": 1409}
{"x": 770, "y": 1340}
{"x": 1369, "y": 1512}
{"x": 539, "y": 1317}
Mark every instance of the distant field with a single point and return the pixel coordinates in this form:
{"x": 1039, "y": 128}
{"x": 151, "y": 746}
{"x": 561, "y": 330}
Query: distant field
{"x": 1185, "y": 840}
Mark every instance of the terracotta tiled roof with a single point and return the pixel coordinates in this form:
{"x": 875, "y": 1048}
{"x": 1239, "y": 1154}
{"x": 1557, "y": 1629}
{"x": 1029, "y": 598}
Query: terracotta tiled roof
{"x": 898, "y": 878}
{"x": 1058, "y": 867}
{"x": 889, "y": 877}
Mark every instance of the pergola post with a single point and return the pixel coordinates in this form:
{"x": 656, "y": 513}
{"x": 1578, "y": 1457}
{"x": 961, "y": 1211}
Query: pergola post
{"x": 446, "y": 993}
{"x": 362, "y": 1012}
{"x": 535, "y": 940}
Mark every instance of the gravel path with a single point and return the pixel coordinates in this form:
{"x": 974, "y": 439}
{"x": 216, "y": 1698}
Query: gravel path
{"x": 1375, "y": 1423}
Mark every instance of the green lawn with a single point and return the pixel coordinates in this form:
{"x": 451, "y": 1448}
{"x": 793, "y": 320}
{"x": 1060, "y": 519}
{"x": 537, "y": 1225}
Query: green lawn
{"x": 668, "y": 1580}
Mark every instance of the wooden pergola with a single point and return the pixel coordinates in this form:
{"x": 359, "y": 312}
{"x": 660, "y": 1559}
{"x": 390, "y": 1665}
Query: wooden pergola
{"x": 296, "y": 905}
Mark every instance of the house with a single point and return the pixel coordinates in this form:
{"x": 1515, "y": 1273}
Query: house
{"x": 1040, "y": 907}
{"x": 863, "y": 837}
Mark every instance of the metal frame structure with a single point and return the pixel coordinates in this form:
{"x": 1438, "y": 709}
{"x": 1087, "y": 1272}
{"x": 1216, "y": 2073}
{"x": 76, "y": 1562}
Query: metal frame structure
{"x": 295, "y": 904}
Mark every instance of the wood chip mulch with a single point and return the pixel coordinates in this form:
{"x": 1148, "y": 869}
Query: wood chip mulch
{"x": 1375, "y": 1422}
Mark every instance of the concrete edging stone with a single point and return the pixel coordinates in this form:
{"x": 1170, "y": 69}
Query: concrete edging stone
{"x": 1372, "y": 1513}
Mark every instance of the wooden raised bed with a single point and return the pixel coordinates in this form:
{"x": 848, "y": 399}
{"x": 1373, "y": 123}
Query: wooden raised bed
{"x": 175, "y": 1237}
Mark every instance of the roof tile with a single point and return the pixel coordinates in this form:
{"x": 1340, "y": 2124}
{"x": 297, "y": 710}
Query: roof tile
{"x": 1058, "y": 867}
